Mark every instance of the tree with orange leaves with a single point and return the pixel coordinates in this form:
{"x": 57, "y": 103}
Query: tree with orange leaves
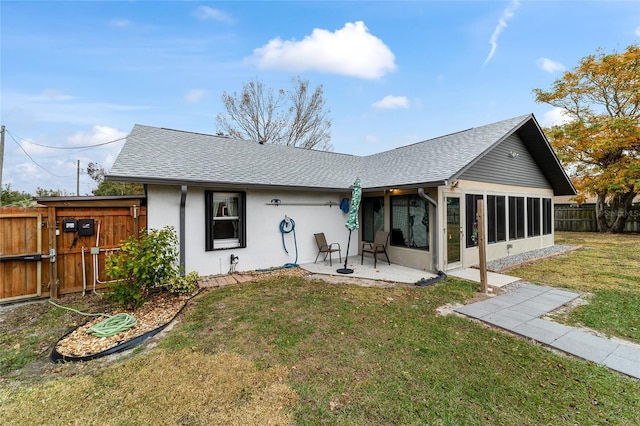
{"x": 600, "y": 143}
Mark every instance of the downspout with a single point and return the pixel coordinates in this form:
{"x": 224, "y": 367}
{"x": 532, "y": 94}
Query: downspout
{"x": 183, "y": 201}
{"x": 431, "y": 201}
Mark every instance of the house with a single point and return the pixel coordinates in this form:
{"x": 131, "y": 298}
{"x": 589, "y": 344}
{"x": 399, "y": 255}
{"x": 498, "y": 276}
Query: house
{"x": 229, "y": 197}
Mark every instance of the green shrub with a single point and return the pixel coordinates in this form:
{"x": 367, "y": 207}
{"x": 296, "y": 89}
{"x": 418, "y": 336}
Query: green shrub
{"x": 141, "y": 265}
{"x": 184, "y": 285}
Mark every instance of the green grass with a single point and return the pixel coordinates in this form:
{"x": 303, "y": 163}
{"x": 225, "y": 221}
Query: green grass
{"x": 612, "y": 312}
{"x": 382, "y": 356}
{"x": 310, "y": 352}
{"x": 608, "y": 268}
{"x": 20, "y": 345}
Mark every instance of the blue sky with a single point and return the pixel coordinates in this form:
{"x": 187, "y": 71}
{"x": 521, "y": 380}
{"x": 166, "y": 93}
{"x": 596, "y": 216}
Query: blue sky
{"x": 79, "y": 74}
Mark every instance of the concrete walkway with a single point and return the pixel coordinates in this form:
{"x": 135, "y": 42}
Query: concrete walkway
{"x": 493, "y": 279}
{"x": 519, "y": 311}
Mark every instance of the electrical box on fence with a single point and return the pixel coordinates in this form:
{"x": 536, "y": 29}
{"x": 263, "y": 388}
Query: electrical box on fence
{"x": 70, "y": 225}
{"x": 85, "y": 227}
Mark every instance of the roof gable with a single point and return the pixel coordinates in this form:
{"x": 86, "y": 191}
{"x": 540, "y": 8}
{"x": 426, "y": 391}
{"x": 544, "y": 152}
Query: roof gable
{"x": 157, "y": 155}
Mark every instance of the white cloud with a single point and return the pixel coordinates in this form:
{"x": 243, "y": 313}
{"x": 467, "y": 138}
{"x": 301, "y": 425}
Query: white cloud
{"x": 57, "y": 169}
{"x": 351, "y": 50}
{"x": 194, "y": 95}
{"x": 392, "y": 102}
{"x": 371, "y": 139}
{"x": 121, "y": 23}
{"x": 555, "y": 117}
{"x": 502, "y": 24}
{"x": 56, "y": 95}
{"x": 98, "y": 134}
{"x": 206, "y": 13}
{"x": 549, "y": 66}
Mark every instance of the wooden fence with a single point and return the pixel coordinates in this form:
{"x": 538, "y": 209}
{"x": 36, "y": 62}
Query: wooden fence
{"x": 583, "y": 218}
{"x": 61, "y": 248}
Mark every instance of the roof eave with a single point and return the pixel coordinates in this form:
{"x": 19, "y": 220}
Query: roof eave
{"x": 215, "y": 184}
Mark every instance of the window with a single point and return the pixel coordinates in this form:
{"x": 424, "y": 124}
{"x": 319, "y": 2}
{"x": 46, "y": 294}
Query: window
{"x": 496, "y": 219}
{"x": 516, "y": 218}
{"x": 225, "y": 220}
{"x": 533, "y": 217}
{"x": 546, "y": 217}
{"x": 471, "y": 210}
{"x": 372, "y": 217}
{"x": 409, "y": 221}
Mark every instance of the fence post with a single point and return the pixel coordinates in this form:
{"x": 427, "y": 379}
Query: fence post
{"x": 481, "y": 246}
{"x": 53, "y": 245}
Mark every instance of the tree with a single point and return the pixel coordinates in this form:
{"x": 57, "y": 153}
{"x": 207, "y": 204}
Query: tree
{"x": 295, "y": 117}
{"x": 600, "y": 143}
{"x": 97, "y": 172}
{"x": 41, "y": 192}
{"x": 10, "y": 197}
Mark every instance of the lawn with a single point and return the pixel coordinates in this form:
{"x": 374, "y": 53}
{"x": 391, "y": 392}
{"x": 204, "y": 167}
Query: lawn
{"x": 607, "y": 271}
{"x": 293, "y": 351}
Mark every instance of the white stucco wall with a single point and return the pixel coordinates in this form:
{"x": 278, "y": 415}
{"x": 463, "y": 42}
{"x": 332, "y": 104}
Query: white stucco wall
{"x": 264, "y": 240}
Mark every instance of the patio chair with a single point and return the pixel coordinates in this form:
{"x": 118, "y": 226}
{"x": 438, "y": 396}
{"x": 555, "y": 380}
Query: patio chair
{"x": 325, "y": 248}
{"x": 379, "y": 245}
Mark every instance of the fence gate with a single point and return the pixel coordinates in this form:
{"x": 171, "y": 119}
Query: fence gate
{"x": 39, "y": 257}
{"x": 24, "y": 255}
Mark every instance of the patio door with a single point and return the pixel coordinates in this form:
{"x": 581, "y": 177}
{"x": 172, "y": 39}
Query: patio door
{"x": 453, "y": 233}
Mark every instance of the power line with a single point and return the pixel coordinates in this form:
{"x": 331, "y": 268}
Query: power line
{"x": 65, "y": 147}
{"x": 31, "y": 158}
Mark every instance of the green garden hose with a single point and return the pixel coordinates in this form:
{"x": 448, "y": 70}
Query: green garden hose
{"x": 113, "y": 325}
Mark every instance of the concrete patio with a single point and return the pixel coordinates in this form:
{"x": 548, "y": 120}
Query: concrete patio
{"x": 383, "y": 272}
{"x": 395, "y": 273}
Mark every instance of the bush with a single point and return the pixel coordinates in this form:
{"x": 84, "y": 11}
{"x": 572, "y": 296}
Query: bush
{"x": 141, "y": 265}
{"x": 184, "y": 285}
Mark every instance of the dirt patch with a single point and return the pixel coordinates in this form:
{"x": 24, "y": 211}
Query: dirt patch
{"x": 449, "y": 308}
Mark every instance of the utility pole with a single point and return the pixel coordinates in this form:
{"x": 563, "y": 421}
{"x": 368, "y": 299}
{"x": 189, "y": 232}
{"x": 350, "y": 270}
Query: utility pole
{"x": 78, "y": 180}
{"x": 1, "y": 159}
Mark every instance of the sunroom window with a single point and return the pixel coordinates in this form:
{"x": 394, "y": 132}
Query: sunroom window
{"x": 409, "y": 222}
{"x": 547, "y": 217}
{"x": 372, "y": 217}
{"x": 516, "y": 218}
{"x": 533, "y": 217}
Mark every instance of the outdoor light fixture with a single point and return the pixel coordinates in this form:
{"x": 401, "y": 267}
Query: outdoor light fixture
{"x": 514, "y": 154}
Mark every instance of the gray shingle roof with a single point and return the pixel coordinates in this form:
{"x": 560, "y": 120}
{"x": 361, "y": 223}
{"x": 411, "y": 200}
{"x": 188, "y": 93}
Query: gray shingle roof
{"x": 436, "y": 160}
{"x": 156, "y": 155}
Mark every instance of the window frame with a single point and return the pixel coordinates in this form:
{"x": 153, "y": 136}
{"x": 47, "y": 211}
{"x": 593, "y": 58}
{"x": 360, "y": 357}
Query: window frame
{"x": 368, "y": 205}
{"x": 547, "y": 216}
{"x": 213, "y": 244}
{"x": 409, "y": 198}
{"x": 533, "y": 217}
{"x": 517, "y": 218}
{"x": 496, "y": 219}
{"x": 471, "y": 211}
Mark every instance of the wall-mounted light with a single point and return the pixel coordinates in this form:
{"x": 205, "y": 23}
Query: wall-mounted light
{"x": 514, "y": 154}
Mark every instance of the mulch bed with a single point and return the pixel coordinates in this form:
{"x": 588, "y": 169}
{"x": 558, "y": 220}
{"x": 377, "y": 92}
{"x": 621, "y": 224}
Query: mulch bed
{"x": 155, "y": 314}
{"x": 158, "y": 311}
